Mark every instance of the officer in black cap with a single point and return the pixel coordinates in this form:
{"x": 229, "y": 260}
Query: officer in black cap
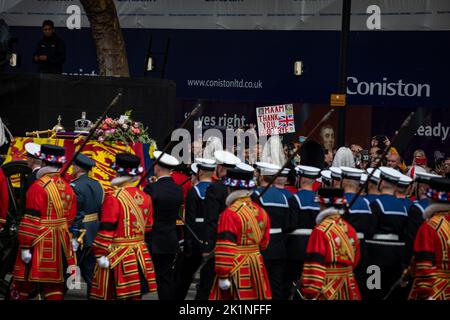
{"x": 90, "y": 197}
{"x": 163, "y": 241}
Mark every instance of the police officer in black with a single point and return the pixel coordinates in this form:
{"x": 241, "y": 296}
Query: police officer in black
{"x": 275, "y": 202}
{"x": 194, "y": 228}
{"x": 50, "y": 51}
{"x": 388, "y": 246}
{"x": 90, "y": 197}
{"x": 163, "y": 241}
{"x": 214, "y": 205}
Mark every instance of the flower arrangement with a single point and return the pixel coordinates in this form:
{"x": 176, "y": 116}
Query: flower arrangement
{"x": 123, "y": 129}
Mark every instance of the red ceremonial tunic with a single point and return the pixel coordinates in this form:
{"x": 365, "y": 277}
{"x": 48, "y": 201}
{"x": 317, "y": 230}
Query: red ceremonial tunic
{"x": 51, "y": 206}
{"x": 127, "y": 214}
{"x": 332, "y": 254}
{"x": 4, "y": 198}
{"x": 431, "y": 255}
{"x": 242, "y": 231}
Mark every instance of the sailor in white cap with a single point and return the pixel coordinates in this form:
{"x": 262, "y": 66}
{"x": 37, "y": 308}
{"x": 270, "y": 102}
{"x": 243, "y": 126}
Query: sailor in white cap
{"x": 326, "y": 178}
{"x": 275, "y": 202}
{"x": 303, "y": 212}
{"x": 336, "y": 177}
{"x": 418, "y": 207}
{"x": 214, "y": 205}
{"x": 195, "y": 220}
{"x": 387, "y": 248}
{"x": 283, "y": 184}
{"x": 372, "y": 186}
{"x": 402, "y": 191}
{"x": 167, "y": 199}
{"x": 360, "y": 217}
{"x": 33, "y": 162}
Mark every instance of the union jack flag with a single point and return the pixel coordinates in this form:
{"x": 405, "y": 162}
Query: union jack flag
{"x": 286, "y": 121}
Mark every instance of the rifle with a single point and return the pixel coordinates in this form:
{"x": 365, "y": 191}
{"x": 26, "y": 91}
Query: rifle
{"x": 196, "y": 112}
{"x": 405, "y": 124}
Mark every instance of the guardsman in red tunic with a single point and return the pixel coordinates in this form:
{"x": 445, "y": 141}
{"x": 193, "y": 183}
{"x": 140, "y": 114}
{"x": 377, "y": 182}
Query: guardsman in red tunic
{"x": 432, "y": 246}
{"x": 332, "y": 253}
{"x": 124, "y": 267}
{"x": 45, "y": 246}
{"x": 242, "y": 232}
{"x": 4, "y": 199}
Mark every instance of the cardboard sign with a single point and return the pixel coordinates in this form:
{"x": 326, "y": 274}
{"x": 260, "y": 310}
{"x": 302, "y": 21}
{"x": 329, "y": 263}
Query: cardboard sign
{"x": 275, "y": 120}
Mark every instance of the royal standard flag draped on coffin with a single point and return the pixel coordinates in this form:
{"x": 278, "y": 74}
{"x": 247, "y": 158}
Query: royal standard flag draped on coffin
{"x": 103, "y": 153}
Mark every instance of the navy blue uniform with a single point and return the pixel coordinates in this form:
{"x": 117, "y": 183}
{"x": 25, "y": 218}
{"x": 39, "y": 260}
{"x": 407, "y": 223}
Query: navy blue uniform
{"x": 387, "y": 248}
{"x": 302, "y": 219}
{"x": 275, "y": 202}
{"x": 415, "y": 214}
{"x": 90, "y": 197}
{"x": 371, "y": 197}
{"x": 214, "y": 205}
{"x": 194, "y": 214}
{"x": 361, "y": 218}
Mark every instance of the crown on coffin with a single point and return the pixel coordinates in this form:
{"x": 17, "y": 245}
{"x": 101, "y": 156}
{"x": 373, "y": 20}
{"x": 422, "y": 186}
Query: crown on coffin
{"x": 83, "y": 125}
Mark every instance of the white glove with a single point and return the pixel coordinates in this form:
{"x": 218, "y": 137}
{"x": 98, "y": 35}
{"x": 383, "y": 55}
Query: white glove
{"x": 224, "y": 284}
{"x": 26, "y": 255}
{"x": 103, "y": 262}
{"x": 75, "y": 244}
{"x": 431, "y": 298}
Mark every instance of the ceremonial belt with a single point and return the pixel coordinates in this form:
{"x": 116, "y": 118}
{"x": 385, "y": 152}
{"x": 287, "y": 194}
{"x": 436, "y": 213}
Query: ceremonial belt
{"x": 54, "y": 223}
{"x": 199, "y": 219}
{"x": 337, "y": 272}
{"x": 127, "y": 241}
{"x": 251, "y": 249}
{"x": 275, "y": 230}
{"x": 360, "y": 235}
{"x": 90, "y": 217}
{"x": 443, "y": 274}
{"x": 383, "y": 237}
{"x": 301, "y": 232}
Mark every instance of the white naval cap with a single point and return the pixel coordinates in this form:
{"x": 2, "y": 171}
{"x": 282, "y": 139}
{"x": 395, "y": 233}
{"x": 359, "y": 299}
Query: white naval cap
{"x": 285, "y": 172}
{"x": 389, "y": 174}
{"x": 307, "y": 171}
{"x": 226, "y": 158}
{"x": 326, "y": 175}
{"x": 404, "y": 181}
{"x": 166, "y": 160}
{"x": 351, "y": 173}
{"x": 267, "y": 169}
{"x": 245, "y": 167}
{"x": 336, "y": 173}
{"x": 205, "y": 164}
{"x": 375, "y": 178}
{"x": 425, "y": 177}
{"x": 32, "y": 149}
{"x": 412, "y": 172}
{"x": 363, "y": 178}
{"x": 194, "y": 168}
